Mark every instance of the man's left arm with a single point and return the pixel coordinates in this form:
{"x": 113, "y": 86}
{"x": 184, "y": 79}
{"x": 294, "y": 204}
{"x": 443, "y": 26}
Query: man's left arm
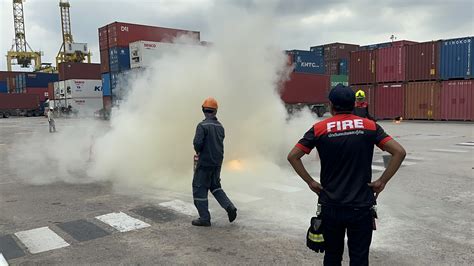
{"x": 198, "y": 141}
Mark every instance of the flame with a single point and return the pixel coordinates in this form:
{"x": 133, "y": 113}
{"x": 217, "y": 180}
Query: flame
{"x": 235, "y": 165}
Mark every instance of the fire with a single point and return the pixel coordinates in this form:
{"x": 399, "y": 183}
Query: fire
{"x": 235, "y": 165}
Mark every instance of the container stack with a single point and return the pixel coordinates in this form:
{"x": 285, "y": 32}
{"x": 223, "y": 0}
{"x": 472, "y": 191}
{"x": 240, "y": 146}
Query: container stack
{"x": 429, "y": 81}
{"x": 114, "y": 41}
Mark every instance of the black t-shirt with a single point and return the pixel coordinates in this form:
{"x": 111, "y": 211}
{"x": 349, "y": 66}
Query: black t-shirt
{"x": 345, "y": 144}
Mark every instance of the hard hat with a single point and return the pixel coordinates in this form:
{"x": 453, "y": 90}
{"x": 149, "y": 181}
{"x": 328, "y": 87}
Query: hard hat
{"x": 210, "y": 103}
{"x": 360, "y": 94}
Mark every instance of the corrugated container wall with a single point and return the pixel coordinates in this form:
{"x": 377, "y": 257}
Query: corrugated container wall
{"x": 18, "y": 101}
{"x": 37, "y": 79}
{"x": 369, "y": 95}
{"x": 422, "y": 100}
{"x": 78, "y": 71}
{"x": 119, "y": 59}
{"x": 307, "y": 62}
{"x": 3, "y": 87}
{"x": 332, "y": 67}
{"x": 337, "y": 51}
{"x": 457, "y": 58}
{"x": 390, "y": 64}
{"x": 305, "y": 88}
{"x": 103, "y": 38}
{"x": 344, "y": 66}
{"x": 423, "y": 61}
{"x": 41, "y": 92}
{"x": 121, "y": 34}
{"x": 362, "y": 67}
{"x": 51, "y": 91}
{"x": 106, "y": 90}
{"x": 389, "y": 101}
{"x": 104, "y": 61}
{"x": 457, "y": 100}
{"x": 319, "y": 50}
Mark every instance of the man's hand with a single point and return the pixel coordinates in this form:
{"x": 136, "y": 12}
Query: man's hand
{"x": 377, "y": 186}
{"x": 315, "y": 187}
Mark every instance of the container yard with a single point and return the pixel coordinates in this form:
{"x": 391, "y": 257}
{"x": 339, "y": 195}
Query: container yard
{"x": 336, "y": 116}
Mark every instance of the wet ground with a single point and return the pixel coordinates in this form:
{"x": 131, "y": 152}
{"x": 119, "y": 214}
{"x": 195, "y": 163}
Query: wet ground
{"x": 426, "y": 212}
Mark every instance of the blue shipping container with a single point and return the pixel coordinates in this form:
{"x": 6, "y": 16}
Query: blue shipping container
{"x": 343, "y": 67}
{"x": 106, "y": 89}
{"x": 3, "y": 87}
{"x": 457, "y": 58}
{"x": 35, "y": 80}
{"x": 319, "y": 50}
{"x": 119, "y": 59}
{"x": 307, "y": 62}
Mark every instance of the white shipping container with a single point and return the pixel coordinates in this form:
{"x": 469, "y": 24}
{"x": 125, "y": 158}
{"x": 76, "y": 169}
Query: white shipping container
{"x": 59, "y": 90}
{"x": 83, "y": 88}
{"x": 85, "y": 107}
{"x": 144, "y": 53}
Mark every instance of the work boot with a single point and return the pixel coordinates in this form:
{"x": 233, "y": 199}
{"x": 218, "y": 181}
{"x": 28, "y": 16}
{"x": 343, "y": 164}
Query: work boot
{"x": 231, "y": 213}
{"x": 199, "y": 222}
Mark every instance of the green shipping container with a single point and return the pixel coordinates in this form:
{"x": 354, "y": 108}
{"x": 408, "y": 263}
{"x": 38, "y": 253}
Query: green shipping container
{"x": 336, "y": 79}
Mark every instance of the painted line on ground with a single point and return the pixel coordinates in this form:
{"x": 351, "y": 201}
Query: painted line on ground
{"x": 283, "y": 188}
{"x": 122, "y": 222}
{"x": 466, "y": 144}
{"x": 243, "y": 198}
{"x": 378, "y": 168}
{"x": 448, "y": 150}
{"x": 3, "y": 261}
{"x": 181, "y": 207}
{"x": 404, "y": 163}
{"x": 41, "y": 239}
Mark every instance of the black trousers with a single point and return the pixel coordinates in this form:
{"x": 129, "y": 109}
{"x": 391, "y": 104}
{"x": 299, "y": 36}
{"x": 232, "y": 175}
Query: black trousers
{"x": 357, "y": 222}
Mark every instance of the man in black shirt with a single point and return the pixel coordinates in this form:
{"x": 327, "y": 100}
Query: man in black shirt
{"x": 345, "y": 144}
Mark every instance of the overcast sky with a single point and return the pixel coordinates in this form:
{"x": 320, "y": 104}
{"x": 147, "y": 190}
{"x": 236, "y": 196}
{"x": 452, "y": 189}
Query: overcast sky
{"x": 299, "y": 25}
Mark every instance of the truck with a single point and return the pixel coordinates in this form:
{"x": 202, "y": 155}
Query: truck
{"x": 306, "y": 90}
{"x": 20, "y": 104}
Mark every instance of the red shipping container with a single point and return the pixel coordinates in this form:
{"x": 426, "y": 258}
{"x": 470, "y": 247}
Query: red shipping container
{"x": 42, "y": 93}
{"x": 338, "y": 51}
{"x": 389, "y": 101}
{"x": 306, "y": 88}
{"x": 362, "y": 67}
{"x": 332, "y": 67}
{"x": 457, "y": 100}
{"x": 51, "y": 91}
{"x": 121, "y": 34}
{"x": 402, "y": 43}
{"x": 79, "y": 71}
{"x": 391, "y": 64}
{"x": 423, "y": 100}
{"x": 423, "y": 61}
{"x": 18, "y": 101}
{"x": 104, "y": 61}
{"x": 103, "y": 38}
{"x": 369, "y": 95}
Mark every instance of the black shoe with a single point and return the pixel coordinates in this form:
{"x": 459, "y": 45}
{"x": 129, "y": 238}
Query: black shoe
{"x": 199, "y": 222}
{"x": 232, "y": 213}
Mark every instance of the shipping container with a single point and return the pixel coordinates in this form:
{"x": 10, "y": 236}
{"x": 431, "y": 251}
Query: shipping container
{"x": 78, "y": 71}
{"x": 369, "y": 91}
{"x": 3, "y": 87}
{"x": 342, "y": 79}
{"x": 307, "y": 62}
{"x": 86, "y": 107}
{"x": 343, "y": 67}
{"x": 119, "y": 59}
{"x": 51, "y": 91}
{"x": 385, "y": 44}
{"x": 59, "y": 90}
{"x": 104, "y": 61}
{"x": 457, "y": 58}
{"x": 103, "y": 39}
{"x": 319, "y": 50}
{"x": 422, "y": 100}
{"x": 457, "y": 100}
{"x": 338, "y": 51}
{"x": 35, "y": 79}
{"x": 11, "y": 84}
{"x": 42, "y": 93}
{"x": 389, "y": 101}
{"x": 107, "y": 102}
{"x": 362, "y": 67}
{"x": 83, "y": 88}
{"x": 13, "y": 101}
{"x": 121, "y": 34}
{"x": 422, "y": 61}
{"x": 106, "y": 90}
{"x": 332, "y": 67}
{"x": 306, "y": 88}
{"x": 390, "y": 64}
{"x": 4, "y": 75}
{"x": 144, "y": 53}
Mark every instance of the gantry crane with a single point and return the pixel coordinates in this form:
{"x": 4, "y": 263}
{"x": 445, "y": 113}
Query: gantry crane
{"x": 21, "y": 50}
{"x": 70, "y": 51}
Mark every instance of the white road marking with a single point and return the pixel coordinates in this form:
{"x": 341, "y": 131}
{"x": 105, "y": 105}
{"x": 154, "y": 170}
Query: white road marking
{"x": 3, "y": 261}
{"x": 405, "y": 163}
{"x": 379, "y": 168}
{"x": 448, "y": 150}
{"x": 466, "y": 144}
{"x": 244, "y": 198}
{"x": 283, "y": 188}
{"x": 41, "y": 239}
{"x": 122, "y": 222}
{"x": 181, "y": 207}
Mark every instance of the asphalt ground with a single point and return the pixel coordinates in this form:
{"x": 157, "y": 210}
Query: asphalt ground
{"x": 425, "y": 213}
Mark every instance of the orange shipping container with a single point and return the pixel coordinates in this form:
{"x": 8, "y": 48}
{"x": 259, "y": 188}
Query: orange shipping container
{"x": 423, "y": 100}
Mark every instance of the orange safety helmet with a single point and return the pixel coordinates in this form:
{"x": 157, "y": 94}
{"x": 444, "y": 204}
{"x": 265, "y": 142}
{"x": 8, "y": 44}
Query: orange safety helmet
{"x": 210, "y": 103}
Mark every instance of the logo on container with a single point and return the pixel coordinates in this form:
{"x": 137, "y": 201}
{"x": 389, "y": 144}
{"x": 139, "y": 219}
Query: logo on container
{"x": 306, "y": 64}
{"x": 149, "y": 45}
{"x": 98, "y": 88}
{"x": 124, "y": 28}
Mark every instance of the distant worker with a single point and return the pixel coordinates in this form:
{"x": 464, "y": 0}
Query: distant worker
{"x": 361, "y": 108}
{"x": 209, "y": 146}
{"x": 347, "y": 194}
{"x": 52, "y": 124}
